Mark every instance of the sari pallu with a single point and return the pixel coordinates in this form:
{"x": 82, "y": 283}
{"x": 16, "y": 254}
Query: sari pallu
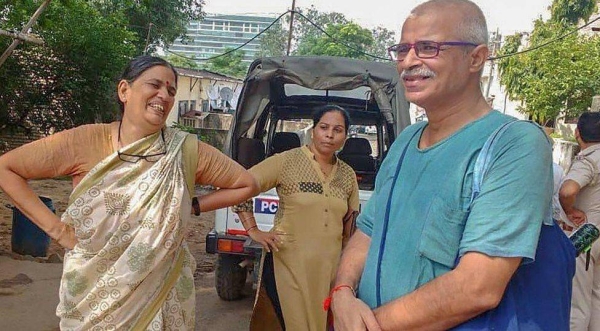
{"x": 131, "y": 269}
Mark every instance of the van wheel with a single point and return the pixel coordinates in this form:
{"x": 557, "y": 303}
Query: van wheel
{"x": 230, "y": 278}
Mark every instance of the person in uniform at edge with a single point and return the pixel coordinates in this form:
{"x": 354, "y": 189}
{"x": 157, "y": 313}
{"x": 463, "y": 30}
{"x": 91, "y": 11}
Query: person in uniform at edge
{"x": 580, "y": 199}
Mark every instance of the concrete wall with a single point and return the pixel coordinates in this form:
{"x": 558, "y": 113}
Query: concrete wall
{"x": 213, "y": 137}
{"x": 563, "y": 153}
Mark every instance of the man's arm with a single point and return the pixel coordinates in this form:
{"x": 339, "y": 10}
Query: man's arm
{"x": 567, "y": 195}
{"x": 475, "y": 286}
{"x": 349, "y": 312}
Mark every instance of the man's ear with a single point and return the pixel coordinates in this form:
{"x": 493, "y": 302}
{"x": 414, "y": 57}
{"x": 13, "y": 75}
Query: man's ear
{"x": 122, "y": 90}
{"x": 478, "y": 56}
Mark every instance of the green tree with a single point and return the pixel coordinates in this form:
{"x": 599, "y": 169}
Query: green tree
{"x": 156, "y": 22}
{"x": 560, "y": 76}
{"x": 273, "y": 42}
{"x": 349, "y": 40}
{"x": 382, "y": 39}
{"x": 307, "y": 36}
{"x": 182, "y": 62}
{"x": 306, "y": 33}
{"x": 570, "y": 12}
{"x": 70, "y": 80}
{"x": 230, "y": 64}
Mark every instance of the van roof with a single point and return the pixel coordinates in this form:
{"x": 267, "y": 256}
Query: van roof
{"x": 267, "y": 79}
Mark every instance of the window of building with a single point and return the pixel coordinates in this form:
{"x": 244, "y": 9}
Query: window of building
{"x": 183, "y": 107}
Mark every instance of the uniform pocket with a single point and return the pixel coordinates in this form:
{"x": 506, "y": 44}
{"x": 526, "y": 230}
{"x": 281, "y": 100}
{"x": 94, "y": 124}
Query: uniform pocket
{"x": 442, "y": 232}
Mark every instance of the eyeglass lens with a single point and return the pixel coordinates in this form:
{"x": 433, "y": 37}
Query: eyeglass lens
{"x": 423, "y": 49}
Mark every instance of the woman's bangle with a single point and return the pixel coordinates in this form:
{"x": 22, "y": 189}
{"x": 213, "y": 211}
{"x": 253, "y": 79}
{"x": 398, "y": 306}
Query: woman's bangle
{"x": 327, "y": 301}
{"x": 252, "y": 227}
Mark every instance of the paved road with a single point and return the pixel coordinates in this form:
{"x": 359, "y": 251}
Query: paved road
{"x": 31, "y": 306}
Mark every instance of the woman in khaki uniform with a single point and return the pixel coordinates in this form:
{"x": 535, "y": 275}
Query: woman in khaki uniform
{"x": 318, "y": 198}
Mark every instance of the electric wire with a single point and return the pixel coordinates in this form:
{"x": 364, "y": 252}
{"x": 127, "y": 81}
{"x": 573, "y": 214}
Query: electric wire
{"x": 336, "y": 41}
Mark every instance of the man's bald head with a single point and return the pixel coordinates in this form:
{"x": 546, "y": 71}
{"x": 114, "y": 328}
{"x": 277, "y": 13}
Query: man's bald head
{"x": 472, "y": 26}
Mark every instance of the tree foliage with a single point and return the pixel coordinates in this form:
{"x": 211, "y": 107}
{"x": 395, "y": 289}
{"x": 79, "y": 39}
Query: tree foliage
{"x": 560, "y": 77}
{"x": 310, "y": 40}
{"x": 230, "y": 64}
{"x": 570, "y": 12}
{"x": 158, "y": 22}
{"x": 349, "y": 40}
{"x": 182, "y": 62}
{"x": 71, "y": 79}
{"x": 382, "y": 39}
{"x": 273, "y": 41}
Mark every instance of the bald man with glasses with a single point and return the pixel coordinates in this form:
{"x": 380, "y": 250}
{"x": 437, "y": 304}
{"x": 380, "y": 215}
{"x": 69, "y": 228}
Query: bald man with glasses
{"x": 430, "y": 252}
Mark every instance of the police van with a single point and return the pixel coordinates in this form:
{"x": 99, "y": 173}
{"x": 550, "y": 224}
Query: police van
{"x": 273, "y": 114}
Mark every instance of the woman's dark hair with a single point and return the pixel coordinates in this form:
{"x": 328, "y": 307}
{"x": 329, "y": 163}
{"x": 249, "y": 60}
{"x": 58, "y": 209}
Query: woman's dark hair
{"x": 322, "y": 110}
{"x": 589, "y": 127}
{"x": 138, "y": 65}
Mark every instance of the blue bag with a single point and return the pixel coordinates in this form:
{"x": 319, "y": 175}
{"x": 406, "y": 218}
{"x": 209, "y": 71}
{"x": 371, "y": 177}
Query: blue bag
{"x": 538, "y": 296}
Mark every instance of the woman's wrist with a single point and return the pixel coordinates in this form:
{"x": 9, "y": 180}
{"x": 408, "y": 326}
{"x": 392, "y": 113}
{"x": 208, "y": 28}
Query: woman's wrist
{"x": 56, "y": 230}
{"x": 250, "y": 229}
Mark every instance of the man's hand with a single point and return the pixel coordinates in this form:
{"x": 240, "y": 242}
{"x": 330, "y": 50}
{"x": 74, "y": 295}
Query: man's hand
{"x": 577, "y": 216}
{"x": 351, "y": 314}
{"x": 269, "y": 240}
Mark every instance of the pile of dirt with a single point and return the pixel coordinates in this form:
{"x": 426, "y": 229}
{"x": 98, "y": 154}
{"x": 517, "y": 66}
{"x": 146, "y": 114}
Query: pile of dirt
{"x": 59, "y": 191}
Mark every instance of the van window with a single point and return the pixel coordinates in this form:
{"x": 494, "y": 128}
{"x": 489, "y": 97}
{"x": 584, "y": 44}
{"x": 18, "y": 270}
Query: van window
{"x": 301, "y": 127}
{"x": 362, "y": 92}
{"x": 368, "y": 132}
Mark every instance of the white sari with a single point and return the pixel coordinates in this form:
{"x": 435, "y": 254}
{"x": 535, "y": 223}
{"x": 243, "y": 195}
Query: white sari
{"x": 132, "y": 269}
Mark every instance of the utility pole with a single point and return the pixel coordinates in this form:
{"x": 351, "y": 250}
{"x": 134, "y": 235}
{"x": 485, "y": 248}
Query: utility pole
{"x": 495, "y": 43}
{"x": 148, "y": 37}
{"x": 289, "y": 45}
{"x": 24, "y": 37}
{"x": 25, "y": 29}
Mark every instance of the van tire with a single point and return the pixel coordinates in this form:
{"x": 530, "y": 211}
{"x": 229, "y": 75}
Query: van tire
{"x": 230, "y": 278}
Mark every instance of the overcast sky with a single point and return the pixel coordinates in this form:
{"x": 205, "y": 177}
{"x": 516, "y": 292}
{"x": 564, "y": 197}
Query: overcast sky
{"x": 509, "y": 16}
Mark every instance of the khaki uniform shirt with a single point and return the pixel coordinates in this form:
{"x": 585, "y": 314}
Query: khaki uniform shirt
{"x": 584, "y": 171}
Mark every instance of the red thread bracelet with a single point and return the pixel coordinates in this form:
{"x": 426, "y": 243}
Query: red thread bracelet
{"x": 327, "y": 301}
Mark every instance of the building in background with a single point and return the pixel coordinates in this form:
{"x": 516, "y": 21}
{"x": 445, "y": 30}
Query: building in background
{"x": 212, "y": 35}
{"x": 200, "y": 92}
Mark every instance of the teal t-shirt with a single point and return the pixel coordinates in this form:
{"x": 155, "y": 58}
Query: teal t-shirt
{"x": 430, "y": 225}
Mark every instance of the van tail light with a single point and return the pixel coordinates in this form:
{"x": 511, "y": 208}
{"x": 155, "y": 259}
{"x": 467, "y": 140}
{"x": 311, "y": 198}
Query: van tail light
{"x": 228, "y": 245}
{"x": 234, "y": 232}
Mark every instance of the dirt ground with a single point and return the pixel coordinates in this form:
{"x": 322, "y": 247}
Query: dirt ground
{"x": 59, "y": 191}
{"x": 212, "y": 312}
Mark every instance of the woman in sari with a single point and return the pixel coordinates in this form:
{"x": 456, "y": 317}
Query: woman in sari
{"x": 318, "y": 197}
{"x": 127, "y": 266}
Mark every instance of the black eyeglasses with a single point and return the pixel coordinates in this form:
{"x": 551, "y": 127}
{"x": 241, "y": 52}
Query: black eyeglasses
{"x": 134, "y": 158}
{"x": 423, "y": 49}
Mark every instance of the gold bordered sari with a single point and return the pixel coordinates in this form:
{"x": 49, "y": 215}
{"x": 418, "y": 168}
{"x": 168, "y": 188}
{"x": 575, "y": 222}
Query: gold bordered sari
{"x": 131, "y": 269}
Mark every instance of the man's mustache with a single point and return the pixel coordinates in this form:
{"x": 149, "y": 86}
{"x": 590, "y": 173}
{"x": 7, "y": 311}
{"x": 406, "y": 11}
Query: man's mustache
{"x": 422, "y": 71}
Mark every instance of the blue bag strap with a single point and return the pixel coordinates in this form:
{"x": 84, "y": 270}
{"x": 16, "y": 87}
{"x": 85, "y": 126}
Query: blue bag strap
{"x": 482, "y": 163}
{"x": 386, "y": 218}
